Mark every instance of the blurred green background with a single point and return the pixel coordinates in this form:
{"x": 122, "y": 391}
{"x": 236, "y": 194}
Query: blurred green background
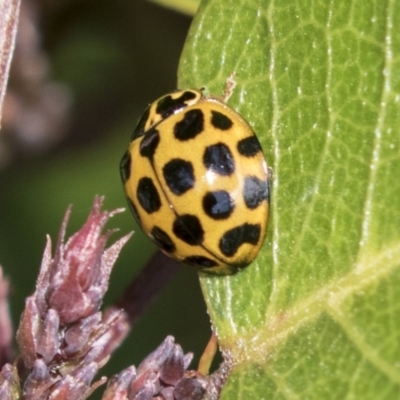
{"x": 115, "y": 57}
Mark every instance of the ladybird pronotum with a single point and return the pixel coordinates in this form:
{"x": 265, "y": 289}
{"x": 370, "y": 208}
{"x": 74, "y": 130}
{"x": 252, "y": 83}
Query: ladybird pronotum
{"x": 197, "y": 182}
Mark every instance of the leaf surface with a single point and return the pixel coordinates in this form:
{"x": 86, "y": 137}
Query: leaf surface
{"x": 317, "y": 315}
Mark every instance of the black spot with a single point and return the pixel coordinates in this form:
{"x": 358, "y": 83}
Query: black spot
{"x": 200, "y": 262}
{"x": 255, "y": 191}
{"x": 134, "y": 210}
{"x": 163, "y": 240}
{"x": 190, "y": 126}
{"x": 167, "y": 105}
{"x": 249, "y": 146}
{"x": 220, "y": 121}
{"x": 219, "y": 159}
{"x": 188, "y": 229}
{"x": 125, "y": 166}
{"x": 139, "y": 130}
{"x": 148, "y": 196}
{"x": 179, "y": 175}
{"x": 218, "y": 204}
{"x": 149, "y": 143}
{"x": 234, "y": 238}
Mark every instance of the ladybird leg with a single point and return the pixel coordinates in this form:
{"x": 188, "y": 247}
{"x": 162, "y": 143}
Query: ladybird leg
{"x": 270, "y": 174}
{"x": 208, "y": 355}
{"x": 229, "y": 87}
{"x": 270, "y": 177}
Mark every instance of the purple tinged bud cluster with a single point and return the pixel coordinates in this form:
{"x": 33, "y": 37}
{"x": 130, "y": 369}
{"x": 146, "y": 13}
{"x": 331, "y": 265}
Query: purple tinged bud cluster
{"x": 63, "y": 338}
{"x": 6, "y": 332}
{"x": 161, "y": 375}
{"x": 9, "y": 383}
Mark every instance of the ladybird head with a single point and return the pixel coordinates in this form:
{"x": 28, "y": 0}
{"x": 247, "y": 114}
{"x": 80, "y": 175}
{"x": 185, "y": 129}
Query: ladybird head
{"x": 164, "y": 107}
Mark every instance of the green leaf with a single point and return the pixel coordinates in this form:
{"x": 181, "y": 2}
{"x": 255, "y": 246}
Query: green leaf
{"x": 317, "y": 315}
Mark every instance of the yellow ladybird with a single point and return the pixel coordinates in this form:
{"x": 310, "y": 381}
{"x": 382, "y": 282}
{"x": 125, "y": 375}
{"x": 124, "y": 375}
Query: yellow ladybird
{"x": 197, "y": 182}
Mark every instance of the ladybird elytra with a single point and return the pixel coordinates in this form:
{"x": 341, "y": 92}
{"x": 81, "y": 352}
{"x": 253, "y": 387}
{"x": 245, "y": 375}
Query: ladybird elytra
{"x": 197, "y": 182}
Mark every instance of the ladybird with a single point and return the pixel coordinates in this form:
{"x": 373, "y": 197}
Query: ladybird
{"x": 197, "y": 182}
